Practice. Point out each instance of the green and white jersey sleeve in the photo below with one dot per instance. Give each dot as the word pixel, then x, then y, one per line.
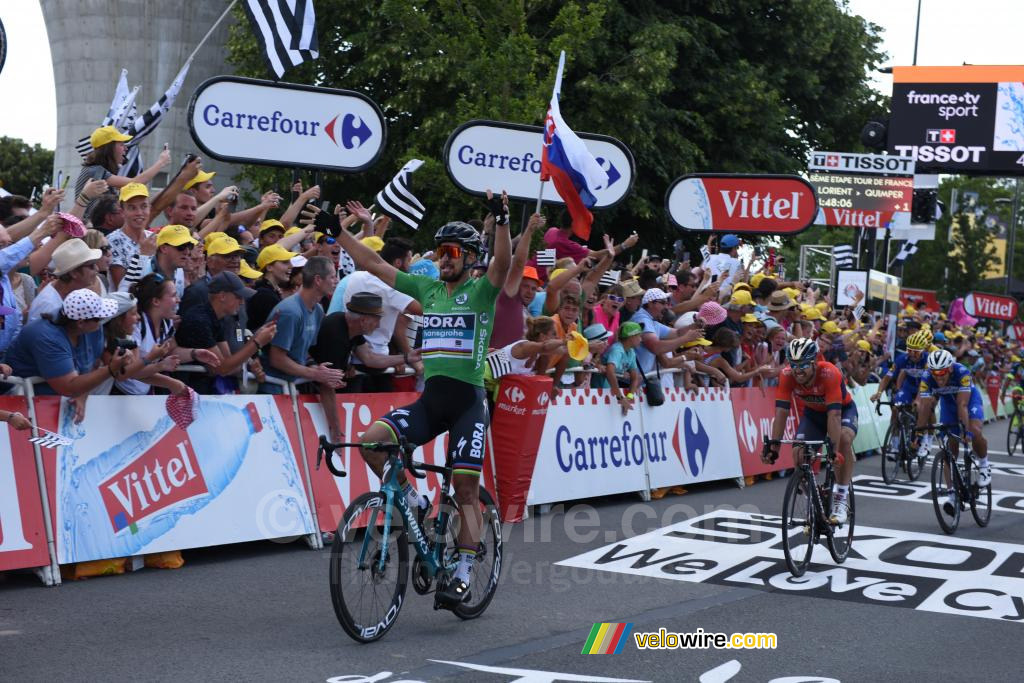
pixel 456 328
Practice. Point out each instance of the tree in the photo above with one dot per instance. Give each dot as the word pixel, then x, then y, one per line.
pixel 689 86
pixel 24 166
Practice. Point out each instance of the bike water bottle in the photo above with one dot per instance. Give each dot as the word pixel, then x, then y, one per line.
pixel 136 491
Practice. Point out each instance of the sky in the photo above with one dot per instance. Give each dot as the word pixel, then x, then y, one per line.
pixel 952 32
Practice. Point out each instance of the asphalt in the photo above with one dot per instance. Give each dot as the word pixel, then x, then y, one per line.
pixel 262 611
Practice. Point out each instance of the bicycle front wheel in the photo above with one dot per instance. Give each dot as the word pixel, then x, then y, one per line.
pixel 368 596
pixel 891 456
pixel 981 501
pixel 840 540
pixel 1014 434
pixel 487 567
pixel 799 522
pixel 945 499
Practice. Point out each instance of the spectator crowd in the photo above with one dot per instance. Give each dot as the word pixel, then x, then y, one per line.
pixel 132 291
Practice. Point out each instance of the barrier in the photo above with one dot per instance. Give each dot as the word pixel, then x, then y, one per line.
pixel 242 471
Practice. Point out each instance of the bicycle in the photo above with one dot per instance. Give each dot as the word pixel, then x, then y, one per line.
pixel 904 456
pixel 370 551
pixel 965 489
pixel 1015 432
pixel 807 506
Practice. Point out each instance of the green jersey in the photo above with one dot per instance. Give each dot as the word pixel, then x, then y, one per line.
pixel 456 328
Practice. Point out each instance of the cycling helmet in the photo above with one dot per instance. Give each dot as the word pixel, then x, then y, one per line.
pixel 940 360
pixel 803 349
pixel 920 340
pixel 462 234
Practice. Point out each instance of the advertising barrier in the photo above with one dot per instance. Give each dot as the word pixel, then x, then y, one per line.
pixel 22 529
pixel 517 425
pixel 139 484
pixel 753 414
pixel 778 204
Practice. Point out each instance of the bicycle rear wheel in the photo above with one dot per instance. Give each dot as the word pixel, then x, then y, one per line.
pixel 840 540
pixel 891 457
pixel 487 568
pixel 367 599
pixel 913 463
pixel 1014 435
pixel 940 492
pixel 799 522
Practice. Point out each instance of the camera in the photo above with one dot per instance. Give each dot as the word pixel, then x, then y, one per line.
pixel 126 344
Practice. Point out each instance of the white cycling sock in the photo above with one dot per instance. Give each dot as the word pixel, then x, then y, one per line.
pixel 465 568
pixel 841 490
pixel 983 462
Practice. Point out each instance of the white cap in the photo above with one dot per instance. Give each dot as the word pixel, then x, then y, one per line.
pixel 685 320
pixel 298 261
pixel 654 294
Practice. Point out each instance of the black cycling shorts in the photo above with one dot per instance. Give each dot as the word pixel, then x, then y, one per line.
pixel 814 423
pixel 447 405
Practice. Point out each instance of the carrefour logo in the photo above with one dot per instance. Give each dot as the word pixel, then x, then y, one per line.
pixel 697 441
pixel 600 450
pixel 354 131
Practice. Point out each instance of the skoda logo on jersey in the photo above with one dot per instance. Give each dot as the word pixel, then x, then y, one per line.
pixel 697 441
pixel 354 131
pixel 462 299
pixel 484 318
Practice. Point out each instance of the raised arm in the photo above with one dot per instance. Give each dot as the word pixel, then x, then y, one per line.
pixel 501 259
pixel 522 254
pixel 364 257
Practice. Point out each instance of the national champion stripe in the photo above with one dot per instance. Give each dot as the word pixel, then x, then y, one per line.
pixel 397 199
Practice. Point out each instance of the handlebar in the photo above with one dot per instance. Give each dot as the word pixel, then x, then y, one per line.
pixel 946 429
pixel 326 451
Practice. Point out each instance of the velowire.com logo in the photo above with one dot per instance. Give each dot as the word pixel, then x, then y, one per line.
pixel 607 639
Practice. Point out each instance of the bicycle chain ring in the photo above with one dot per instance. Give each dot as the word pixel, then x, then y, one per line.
pixel 421 581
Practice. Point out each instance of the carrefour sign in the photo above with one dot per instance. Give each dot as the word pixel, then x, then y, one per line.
pixel 283 124
pixel 482 155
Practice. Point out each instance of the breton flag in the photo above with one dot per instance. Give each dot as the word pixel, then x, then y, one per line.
pixel 842 255
pixel 568 163
pixel 141 126
pixel 119 115
pixel 908 249
pixel 398 201
pixel 288 31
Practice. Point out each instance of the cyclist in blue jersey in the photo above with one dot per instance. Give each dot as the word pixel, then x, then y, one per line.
pixel 950 383
pixel 905 373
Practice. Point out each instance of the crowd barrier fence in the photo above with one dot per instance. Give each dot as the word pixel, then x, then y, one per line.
pixel 133 483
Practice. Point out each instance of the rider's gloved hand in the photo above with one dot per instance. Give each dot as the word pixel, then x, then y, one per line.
pixel 770 453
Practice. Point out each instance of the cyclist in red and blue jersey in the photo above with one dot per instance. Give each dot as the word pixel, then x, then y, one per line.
pixel 951 384
pixel 828 410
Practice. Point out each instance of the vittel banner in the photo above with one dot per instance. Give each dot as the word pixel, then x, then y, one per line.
pixel 780 204
pixel 982 305
pixel 250 121
pixel 959 119
pixel 482 155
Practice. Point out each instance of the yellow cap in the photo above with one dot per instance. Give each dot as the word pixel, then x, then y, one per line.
pixel 750 318
pixel 741 287
pixel 317 236
pixel 105 135
pixel 846 332
pixel 812 313
pixel 822 306
pixel 699 341
pixel 133 190
pixel 830 327
pixel 175 235
pixel 373 242
pixel 932 347
pixel 272 254
pixel 201 177
pixel 756 278
pixel 1015 359
pixel 248 272
pixel 577 344
pixel 292 230
pixel 741 298
pixel 863 345
pixel 271 223
pixel 910 310
pixel 793 292
pixel 223 245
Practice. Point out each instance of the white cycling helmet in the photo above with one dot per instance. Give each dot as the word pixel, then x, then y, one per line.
pixel 940 360
pixel 803 349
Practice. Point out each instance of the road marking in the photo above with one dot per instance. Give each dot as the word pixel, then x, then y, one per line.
pixel 921 492
pixel 886 567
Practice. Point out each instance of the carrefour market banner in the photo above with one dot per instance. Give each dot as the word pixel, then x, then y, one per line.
pixel 132 482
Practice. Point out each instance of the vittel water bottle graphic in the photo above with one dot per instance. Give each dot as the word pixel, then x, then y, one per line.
pixel 136 491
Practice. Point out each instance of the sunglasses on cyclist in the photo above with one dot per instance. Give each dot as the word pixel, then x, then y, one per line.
pixel 452 251
pixel 941 373
pixel 802 365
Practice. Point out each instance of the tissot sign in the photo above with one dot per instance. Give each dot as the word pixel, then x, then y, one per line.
pixel 283 124
pixel 982 305
pixel 482 155
pixel 959 119
pixel 779 204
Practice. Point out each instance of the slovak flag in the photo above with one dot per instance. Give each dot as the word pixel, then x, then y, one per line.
pixel 567 162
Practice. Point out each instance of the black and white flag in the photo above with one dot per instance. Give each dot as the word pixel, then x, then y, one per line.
pixel 287 29
pixel 546 258
pixel 842 255
pixel 141 126
pixel 908 249
pixel 119 115
pixel 609 278
pixel 499 363
pixel 397 199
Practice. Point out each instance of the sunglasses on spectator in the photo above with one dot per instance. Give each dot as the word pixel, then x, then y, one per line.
pixel 452 251
pixel 184 247
pixel 673 287
pixel 616 299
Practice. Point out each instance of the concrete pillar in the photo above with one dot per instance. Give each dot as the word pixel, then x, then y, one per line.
pixel 92 40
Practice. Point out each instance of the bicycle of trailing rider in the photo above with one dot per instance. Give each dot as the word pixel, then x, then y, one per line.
pixel 1015 429
pixel 898 451
pixel 369 568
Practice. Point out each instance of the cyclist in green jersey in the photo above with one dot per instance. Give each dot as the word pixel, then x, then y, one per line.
pixel 458 312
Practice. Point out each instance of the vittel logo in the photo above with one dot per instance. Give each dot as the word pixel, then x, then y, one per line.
pixel 742 204
pixel 989 306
